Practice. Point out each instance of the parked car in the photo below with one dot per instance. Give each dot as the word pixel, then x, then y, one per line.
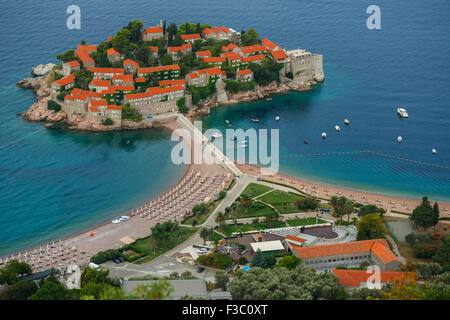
pixel 121 259
pixel 116 260
pixel 202 250
pixel 200 270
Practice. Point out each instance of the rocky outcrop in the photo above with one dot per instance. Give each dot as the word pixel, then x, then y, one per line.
pixel 92 126
pixel 42 70
pixel 39 112
pixel 222 97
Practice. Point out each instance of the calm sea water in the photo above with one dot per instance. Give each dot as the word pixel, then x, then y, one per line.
pixel 56 182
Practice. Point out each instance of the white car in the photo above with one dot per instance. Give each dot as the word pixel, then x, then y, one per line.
pixel 202 250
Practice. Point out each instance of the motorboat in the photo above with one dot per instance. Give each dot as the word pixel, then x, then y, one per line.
pixel 268 99
pixel 434 151
pixel 305 142
pixel 402 113
pixel 277 118
pixel 399 139
pixel 346 121
pixel 337 128
pixel 217 135
pixel 324 135
pixel 255 120
pixel 226 121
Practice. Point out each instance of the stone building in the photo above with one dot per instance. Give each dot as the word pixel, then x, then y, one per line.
pixel 98 85
pixel 65 83
pixel 176 52
pixel 75 104
pixel 201 78
pixel 152 33
pixel 130 66
pixel 106 73
pixel 70 66
pixel 222 33
pixel 85 58
pixel 191 37
pixel 304 66
pixel 244 75
pixel 161 72
pixel 113 55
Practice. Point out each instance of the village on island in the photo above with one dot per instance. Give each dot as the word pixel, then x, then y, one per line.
pixel 139 78
pixel 224 230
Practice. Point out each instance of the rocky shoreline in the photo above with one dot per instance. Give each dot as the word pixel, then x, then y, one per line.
pixel 39 112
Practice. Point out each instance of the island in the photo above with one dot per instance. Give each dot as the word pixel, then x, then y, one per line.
pixel 141 78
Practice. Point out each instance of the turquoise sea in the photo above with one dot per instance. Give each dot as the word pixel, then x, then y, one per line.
pixel 56 182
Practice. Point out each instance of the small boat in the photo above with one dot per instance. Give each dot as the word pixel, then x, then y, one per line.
pixel 337 128
pixel 233 139
pixel 255 120
pixel 244 145
pixel 346 121
pixel 116 221
pixel 305 142
pixel 434 151
pixel 268 99
pixel 399 139
pixel 324 135
pixel 402 113
pixel 226 121
pixel 277 118
pixel 217 135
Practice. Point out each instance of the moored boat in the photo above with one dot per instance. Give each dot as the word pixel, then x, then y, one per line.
pixel 402 113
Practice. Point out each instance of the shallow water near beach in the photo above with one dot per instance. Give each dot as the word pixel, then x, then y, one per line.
pixel 57 182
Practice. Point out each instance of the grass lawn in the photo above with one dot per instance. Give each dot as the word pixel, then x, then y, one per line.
pixel 230 228
pixel 303 222
pixel 216 237
pixel 256 209
pixel 279 197
pixel 254 190
pixel 152 250
pixel 288 208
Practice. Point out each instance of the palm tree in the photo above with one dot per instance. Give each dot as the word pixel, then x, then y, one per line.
pixel 219 218
pixel 204 234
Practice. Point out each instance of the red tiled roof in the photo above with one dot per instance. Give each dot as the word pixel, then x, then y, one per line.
pixel 184 47
pixel 110 39
pixel 107 70
pixel 112 51
pixel 172 82
pixel 98 103
pixel 232 56
pixel 84 56
pixel 225 29
pixel 93 109
pixel 214 59
pixel 269 44
pixel 114 107
pixel 132 96
pixel 253 58
pixel 379 247
pixel 254 48
pixel 73 63
pixel 211 71
pixel 100 82
pixel 158 90
pixel 140 80
pixel 86 93
pixel 204 53
pixel 129 61
pixel 193 75
pixel 153 49
pixel 66 80
pixel 159 68
pixel 123 77
pixel 289 237
pixel 190 36
pixel 87 47
pixel 73 97
pixel 279 54
pixel 153 30
pixel 354 278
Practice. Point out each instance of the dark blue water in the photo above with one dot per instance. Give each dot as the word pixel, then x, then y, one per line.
pixel 55 182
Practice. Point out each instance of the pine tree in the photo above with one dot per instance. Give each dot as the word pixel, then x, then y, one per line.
pixel 436 213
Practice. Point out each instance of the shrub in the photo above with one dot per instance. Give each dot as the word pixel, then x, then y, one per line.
pixel 104 256
pixel 307 203
pixel 218 260
pixel 107 122
pixel 222 194
pixel 242 260
pixel 52 105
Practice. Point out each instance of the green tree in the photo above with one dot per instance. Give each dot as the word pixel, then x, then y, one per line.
pixel 289 262
pixel 159 290
pixel 12 270
pixel 258 260
pixel 424 215
pixel 21 290
pixel 435 213
pixel 370 227
pixel 55 291
pixel 221 280
pixel 250 37
pixel 205 234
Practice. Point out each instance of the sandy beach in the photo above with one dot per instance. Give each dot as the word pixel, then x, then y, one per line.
pixel 389 203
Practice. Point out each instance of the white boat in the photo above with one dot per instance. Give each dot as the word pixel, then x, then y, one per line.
pixel 116 221
pixel 402 113
pixel 337 128
pixel 217 135
pixel 255 120
pixel 227 121
pixel 346 121
pixel 399 139
pixel 434 151
pixel 277 118
pixel 324 135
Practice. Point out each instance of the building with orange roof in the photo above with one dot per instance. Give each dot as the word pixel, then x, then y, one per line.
pixel 176 52
pixel 75 104
pixel 244 75
pixel 270 45
pixel 140 80
pixel 253 59
pixel 106 73
pixel 349 254
pixel 85 58
pixel 87 47
pixel 191 37
pixel 203 54
pixel 217 33
pixel 203 77
pixel 161 72
pixel 153 51
pixel 178 82
pixel 130 66
pixel 62 84
pixel 122 80
pixel 70 66
pixel 229 47
pixel 152 33
pixel 279 55
pixel 98 85
pixel 255 49
pixel 361 278
pixel 234 60
pixel 113 55
pixel 215 61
